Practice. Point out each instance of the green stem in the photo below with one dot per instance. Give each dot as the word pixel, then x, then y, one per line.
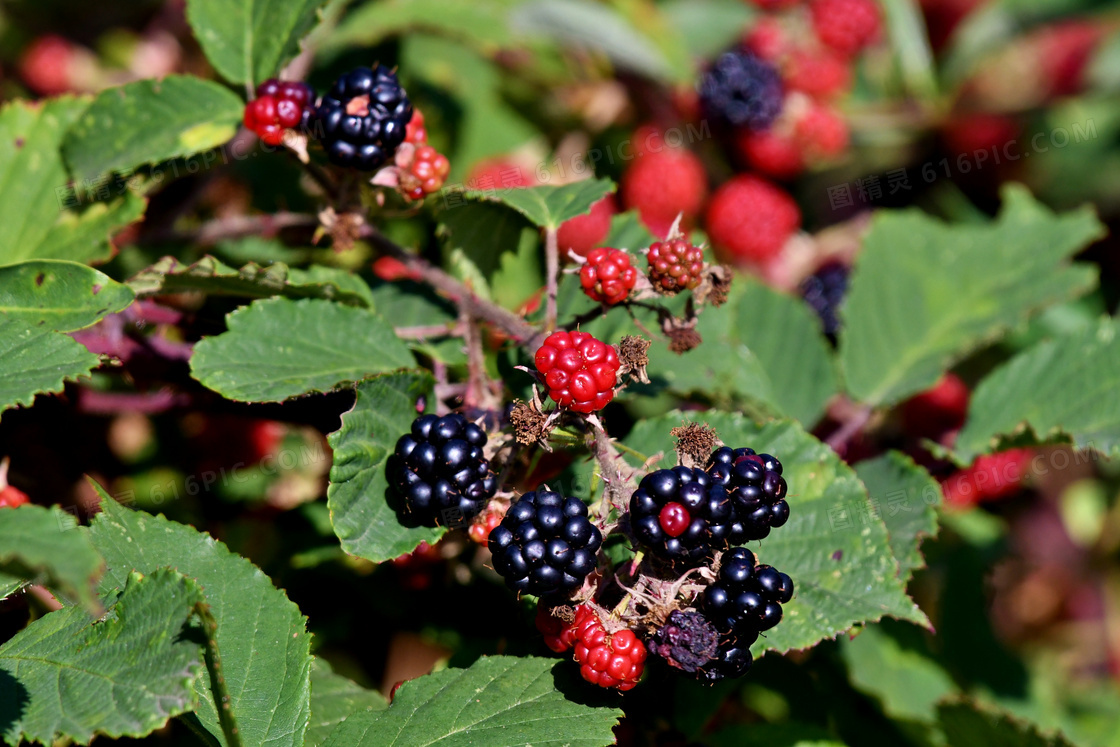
pixel 222 700
pixel 626 449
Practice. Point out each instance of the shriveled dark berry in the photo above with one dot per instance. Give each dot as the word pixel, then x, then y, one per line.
pixel 545 545
pixel 689 642
pixel 438 472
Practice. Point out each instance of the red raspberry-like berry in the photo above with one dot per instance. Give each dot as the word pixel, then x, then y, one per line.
pixel 483 525
pixel 391 268
pixel 675 265
pixel 583 233
pixel 819 73
pixel 46 65
pixel 608 276
pixel 615 660
pixel 821 132
pixel 279 106
pixel 768 39
pixel 846 25
pixel 774 153
pixel 773 5
pixel 989 478
pixel 1066 49
pixel 499 173
pixel 579 370
pixel 937 410
pixel 415 132
pixel 751 219
pixel 11 497
pixel 966 134
pixel 425 173
pixel 559 635
pixel 663 182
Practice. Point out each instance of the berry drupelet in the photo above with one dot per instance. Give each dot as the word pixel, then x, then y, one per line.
pixel 579 370
pixel 746 599
pixel 675 265
pixel 756 488
pixel 545 545
pixel 681 514
pixel 438 471
pixel 742 90
pixel 363 118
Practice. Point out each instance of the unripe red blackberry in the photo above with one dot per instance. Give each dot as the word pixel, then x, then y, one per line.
pixel 675 265
pixel 607 276
pixel 579 370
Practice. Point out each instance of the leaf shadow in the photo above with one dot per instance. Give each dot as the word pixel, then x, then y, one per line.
pixel 14 702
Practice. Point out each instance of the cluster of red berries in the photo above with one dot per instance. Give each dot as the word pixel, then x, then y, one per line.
pixel 675 265
pixel 423 169
pixel 579 371
pixel 612 660
pixel 278 107
pixel 607 276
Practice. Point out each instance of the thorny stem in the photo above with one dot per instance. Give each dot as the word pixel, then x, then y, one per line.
pixel 552 273
pixel 478 383
pixel 423 332
pixel 849 429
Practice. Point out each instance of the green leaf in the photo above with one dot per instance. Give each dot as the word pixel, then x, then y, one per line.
pixel 708 27
pixel 210 275
pixel 502 700
pixel 907 498
pixel 415 305
pixel 924 294
pixel 150 121
pixel 597 27
pixel 248 41
pixel 43 546
pixel 262 636
pixel 971 724
pixel 35 360
pixel 774 735
pixel 628 231
pixel 910 44
pixel 484 231
pixel 483 22
pixel 83 236
pixel 276 349
pixel 362 517
pixel 1060 388
pixel 548 207
pixel 71 676
pixel 907 683
pixel 333 699
pixel 834 547
pixel 58 295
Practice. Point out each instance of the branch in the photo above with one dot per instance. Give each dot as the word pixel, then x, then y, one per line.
pixel 552 273
pixel 849 429
pixel 234 227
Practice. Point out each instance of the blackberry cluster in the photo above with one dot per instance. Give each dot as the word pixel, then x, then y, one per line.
pixel 681 514
pixel 364 117
pixel 824 290
pixel 756 488
pixel 746 599
pixel 545 545
pixel 688 641
pixel 742 90
pixel 438 472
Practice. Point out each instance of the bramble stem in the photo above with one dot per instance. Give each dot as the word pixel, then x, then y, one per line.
pixel 552 274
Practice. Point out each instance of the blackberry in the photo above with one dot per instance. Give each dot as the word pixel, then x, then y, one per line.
pixel 757 490
pixel 437 471
pixel 824 290
pixel 545 545
pixel 681 514
pixel 688 641
pixel 363 118
pixel 746 599
pixel 741 90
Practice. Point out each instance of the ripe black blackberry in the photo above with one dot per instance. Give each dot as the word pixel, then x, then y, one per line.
pixel 689 642
pixel 681 514
pixel 363 118
pixel 545 545
pixel 437 471
pixel 741 90
pixel 746 599
pixel 757 490
pixel 824 290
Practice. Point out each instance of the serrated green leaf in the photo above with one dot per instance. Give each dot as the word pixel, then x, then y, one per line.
pixel 1058 388
pixel 548 207
pixel 484 231
pixel 907 683
pixel 416 305
pixel 276 349
pixel 248 41
pixel 924 294
pixel 71 676
pixel 210 275
pixel 499 700
pixel 362 517
pixel 150 121
pixel 628 231
pixel 834 547
pixel 907 498
pixel 59 295
pixel 333 699
pixel 36 219
pixel 600 28
pixel 261 635
pixel 43 546
pixel 484 22
pixel 34 360
pixel 774 735
pixel 972 724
